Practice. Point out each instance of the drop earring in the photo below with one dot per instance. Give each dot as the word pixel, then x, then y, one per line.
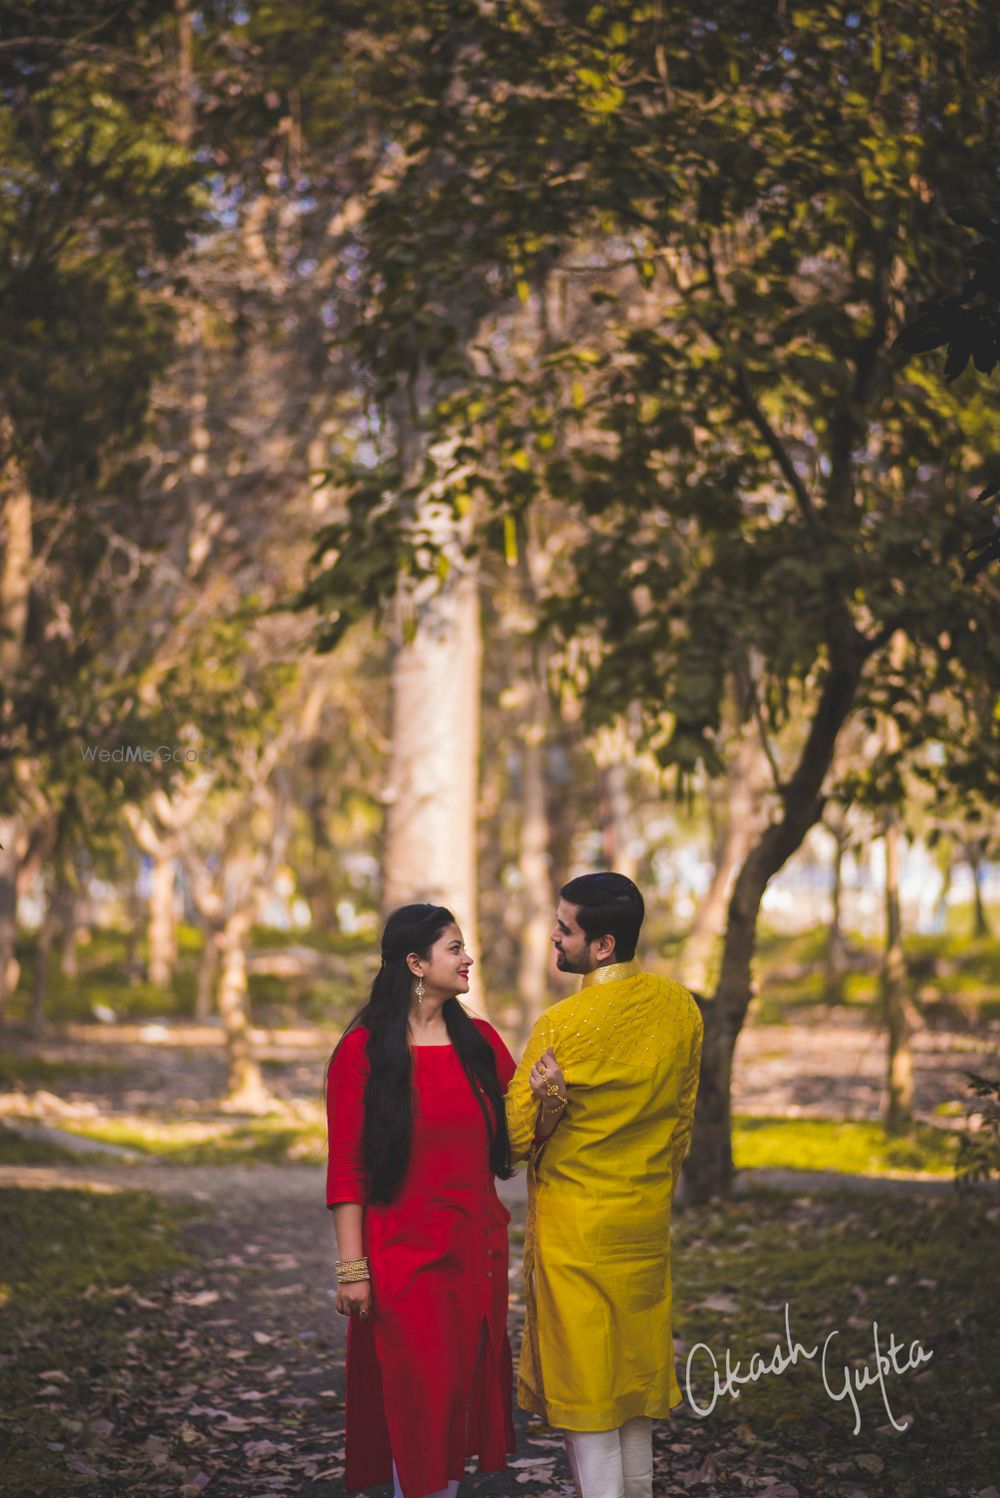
pixel 420 989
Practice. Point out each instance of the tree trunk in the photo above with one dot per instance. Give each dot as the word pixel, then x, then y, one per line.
pixel 946 863
pixel 742 813
pixel 64 924
pixel 430 849
pixel 246 1091
pixel 208 966
pixel 133 913
pixel 15 590
pixel 835 959
pixel 43 948
pixel 185 94
pixel 899 1072
pixel 162 921
pixel 980 923
pixel 533 860
pixel 615 820
pixel 709 1166
pixel 10 968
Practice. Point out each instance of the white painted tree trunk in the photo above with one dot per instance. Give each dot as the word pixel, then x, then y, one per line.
pixel 430 852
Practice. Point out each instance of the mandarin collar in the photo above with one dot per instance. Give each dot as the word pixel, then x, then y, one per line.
pixel 612 972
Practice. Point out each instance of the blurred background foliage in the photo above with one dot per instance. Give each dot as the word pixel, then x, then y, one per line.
pixel 447 447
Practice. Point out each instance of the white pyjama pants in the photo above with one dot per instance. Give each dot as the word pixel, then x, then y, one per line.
pixel 613 1463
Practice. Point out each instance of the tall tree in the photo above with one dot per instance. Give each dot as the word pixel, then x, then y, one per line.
pixel 760 473
pixel 92 213
pixel 431 833
pixel 897 1010
pixel 741 811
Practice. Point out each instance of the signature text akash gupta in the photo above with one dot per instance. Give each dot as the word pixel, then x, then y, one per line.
pixel 840 1384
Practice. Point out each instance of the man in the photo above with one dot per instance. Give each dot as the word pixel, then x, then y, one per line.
pixel 597 1355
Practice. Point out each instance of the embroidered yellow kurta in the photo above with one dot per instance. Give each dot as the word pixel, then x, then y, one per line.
pixel 598 1344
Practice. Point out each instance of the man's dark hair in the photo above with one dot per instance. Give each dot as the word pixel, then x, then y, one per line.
pixel 610 905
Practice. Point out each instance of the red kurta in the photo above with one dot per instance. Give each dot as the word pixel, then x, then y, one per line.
pixel 438 1260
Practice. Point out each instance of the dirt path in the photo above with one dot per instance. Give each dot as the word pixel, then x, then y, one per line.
pixel 251 1380
pixel 250 1377
pixel 243 1349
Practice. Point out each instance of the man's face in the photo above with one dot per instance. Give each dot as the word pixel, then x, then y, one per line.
pixel 574 953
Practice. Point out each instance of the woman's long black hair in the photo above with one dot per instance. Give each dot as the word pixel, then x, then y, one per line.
pixel 388 1127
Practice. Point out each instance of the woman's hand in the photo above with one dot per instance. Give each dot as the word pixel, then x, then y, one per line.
pixel 546 1070
pixel 355 1299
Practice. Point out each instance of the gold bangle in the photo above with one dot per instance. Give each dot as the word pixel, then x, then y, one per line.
pixel 353 1277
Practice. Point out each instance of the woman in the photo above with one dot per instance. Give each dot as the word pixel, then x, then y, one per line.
pixel 417 1134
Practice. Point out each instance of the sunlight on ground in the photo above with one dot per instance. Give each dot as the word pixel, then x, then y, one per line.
pixel 853 1147
pixel 775 1143
pixel 266 1140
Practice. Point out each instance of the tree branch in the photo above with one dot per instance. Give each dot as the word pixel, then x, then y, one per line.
pixel 756 415
pixel 765 742
pixel 777 448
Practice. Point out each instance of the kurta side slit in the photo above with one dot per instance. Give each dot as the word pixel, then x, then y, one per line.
pixel 423 1385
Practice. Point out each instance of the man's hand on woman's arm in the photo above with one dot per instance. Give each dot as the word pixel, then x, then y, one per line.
pixel 549 1086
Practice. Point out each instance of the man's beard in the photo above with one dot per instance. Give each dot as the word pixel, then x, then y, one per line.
pixel 564 964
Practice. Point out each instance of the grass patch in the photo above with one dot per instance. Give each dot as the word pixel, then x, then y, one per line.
pixel 67 1255
pixel 261 1141
pixel 923 1270
pixel 790 970
pixel 850 1146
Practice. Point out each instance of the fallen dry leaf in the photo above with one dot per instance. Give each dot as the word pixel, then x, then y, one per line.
pixel 724 1304
pixel 202 1298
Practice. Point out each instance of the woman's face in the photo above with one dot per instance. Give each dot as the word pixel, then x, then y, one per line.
pixel 445 970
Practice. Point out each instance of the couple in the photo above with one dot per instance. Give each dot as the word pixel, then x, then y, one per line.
pixel 426 1106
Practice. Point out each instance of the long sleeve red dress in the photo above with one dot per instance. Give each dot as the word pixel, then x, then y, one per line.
pixel 429 1373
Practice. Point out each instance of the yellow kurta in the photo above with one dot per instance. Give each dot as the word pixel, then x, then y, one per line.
pixel 598 1345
